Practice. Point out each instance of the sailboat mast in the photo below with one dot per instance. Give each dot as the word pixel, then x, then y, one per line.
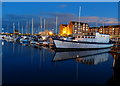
pixel 22 29
pixel 79 18
pixel 79 12
pixel 56 23
pixel 32 26
pixel 44 24
pixel 103 26
pixel 41 23
pixel 13 27
pixel 18 27
pixel 26 27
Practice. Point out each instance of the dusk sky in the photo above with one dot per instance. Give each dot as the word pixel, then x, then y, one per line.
pixel 94 13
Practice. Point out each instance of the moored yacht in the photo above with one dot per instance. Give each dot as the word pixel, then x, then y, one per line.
pixel 96 41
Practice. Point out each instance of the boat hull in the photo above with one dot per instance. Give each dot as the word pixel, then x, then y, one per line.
pixel 63 44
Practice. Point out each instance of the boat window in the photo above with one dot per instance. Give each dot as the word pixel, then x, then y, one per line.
pixel 82 36
pixel 93 37
pixel 78 36
pixel 102 36
pixel 89 37
pixel 85 36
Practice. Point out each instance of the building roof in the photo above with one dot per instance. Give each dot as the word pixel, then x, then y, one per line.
pixel 77 22
pixel 111 26
pixel 64 24
pixel 94 27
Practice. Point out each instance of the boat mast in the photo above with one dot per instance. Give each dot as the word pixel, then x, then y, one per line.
pixel 27 27
pixel 41 23
pixel 7 29
pixel 32 26
pixel 79 12
pixel 79 18
pixel 56 23
pixel 103 26
pixel 44 24
pixel 96 29
pixel 13 27
pixel 22 29
pixel 18 27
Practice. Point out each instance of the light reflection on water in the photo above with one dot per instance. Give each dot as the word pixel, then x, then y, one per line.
pixel 29 65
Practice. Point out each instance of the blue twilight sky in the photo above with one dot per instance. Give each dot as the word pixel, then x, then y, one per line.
pixel 94 13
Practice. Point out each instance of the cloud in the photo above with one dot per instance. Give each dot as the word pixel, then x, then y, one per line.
pixel 62 6
pixel 110 20
pixel 99 20
pixel 63 18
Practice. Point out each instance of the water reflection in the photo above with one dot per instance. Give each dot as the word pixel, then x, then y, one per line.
pixel 1 43
pixel 31 65
pixel 87 56
pixel 114 80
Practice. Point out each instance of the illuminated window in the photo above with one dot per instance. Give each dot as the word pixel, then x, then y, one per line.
pixel 75 25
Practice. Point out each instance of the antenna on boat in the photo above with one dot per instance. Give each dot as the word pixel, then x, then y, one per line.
pixel 56 23
pixel 32 26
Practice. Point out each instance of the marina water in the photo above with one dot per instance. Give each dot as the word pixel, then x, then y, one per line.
pixel 34 66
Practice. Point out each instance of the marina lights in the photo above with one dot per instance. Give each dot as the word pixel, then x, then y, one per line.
pixel 113 28
pixel 64 31
pixel 43 37
pixel 50 33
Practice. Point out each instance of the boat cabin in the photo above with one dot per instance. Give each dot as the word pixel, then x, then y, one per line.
pixel 97 37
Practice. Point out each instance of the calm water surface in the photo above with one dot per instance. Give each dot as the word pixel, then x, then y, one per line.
pixel 29 65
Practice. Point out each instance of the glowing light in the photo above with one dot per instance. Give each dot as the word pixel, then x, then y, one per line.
pixel 2 43
pixel 43 37
pixel 64 31
pixel 50 33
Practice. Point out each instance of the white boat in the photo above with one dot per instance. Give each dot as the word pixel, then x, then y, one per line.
pixel 96 41
pixel 24 39
pixel 33 42
pixel 2 37
pixel 9 39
